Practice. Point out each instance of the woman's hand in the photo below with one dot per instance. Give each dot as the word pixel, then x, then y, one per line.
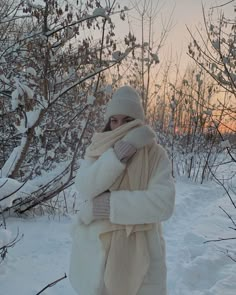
pixel 140 136
pixel 96 209
pixel 101 206
pixel 124 150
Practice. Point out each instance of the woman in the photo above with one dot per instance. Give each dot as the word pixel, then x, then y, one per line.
pixel 127 190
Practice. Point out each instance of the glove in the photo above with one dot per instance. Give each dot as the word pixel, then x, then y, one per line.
pixel 98 208
pixel 124 150
pixel 85 214
pixel 140 136
pixel 101 206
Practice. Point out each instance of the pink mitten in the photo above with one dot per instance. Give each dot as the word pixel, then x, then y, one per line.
pixel 124 150
pixel 101 206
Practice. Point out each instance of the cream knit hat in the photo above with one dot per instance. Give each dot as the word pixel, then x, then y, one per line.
pixel 125 101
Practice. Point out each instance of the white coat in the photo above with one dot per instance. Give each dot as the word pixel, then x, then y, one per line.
pixel 153 205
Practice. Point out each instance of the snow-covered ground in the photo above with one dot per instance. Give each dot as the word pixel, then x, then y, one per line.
pixel 194 267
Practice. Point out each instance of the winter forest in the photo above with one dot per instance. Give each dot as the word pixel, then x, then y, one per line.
pixel 60 62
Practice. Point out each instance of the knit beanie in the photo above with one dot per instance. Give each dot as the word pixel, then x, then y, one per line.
pixel 125 101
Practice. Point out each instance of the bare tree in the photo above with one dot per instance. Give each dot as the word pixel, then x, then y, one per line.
pixel 52 88
pixel 214 51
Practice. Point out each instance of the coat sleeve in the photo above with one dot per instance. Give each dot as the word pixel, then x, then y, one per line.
pixel 153 205
pixel 95 177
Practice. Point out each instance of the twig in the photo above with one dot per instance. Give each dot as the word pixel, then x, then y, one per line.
pixel 12 193
pixel 231 257
pixel 234 259
pixel 3 183
pixel 39 200
pixel 52 284
pixel 228 255
pixel 219 240
pixel 224 4
pixel 221 183
pixel 3 250
pixel 221 136
pixel 228 216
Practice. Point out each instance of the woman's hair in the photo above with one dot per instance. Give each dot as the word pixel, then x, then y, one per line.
pixel 107 126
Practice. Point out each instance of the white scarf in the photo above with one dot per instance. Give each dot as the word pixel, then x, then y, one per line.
pixel 126 246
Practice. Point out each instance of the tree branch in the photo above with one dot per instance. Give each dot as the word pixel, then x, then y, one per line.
pixel 220 239
pixel 224 4
pixel 52 284
pixel 230 217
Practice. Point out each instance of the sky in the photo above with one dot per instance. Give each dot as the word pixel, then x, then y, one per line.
pixel 189 13
pixel 182 13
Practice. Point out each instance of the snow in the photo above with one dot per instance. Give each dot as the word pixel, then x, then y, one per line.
pixel 5 237
pixel 20 90
pixel 108 89
pixel 4 79
pixel 99 11
pixel 38 131
pixel 194 267
pixel 34 5
pixel 15 101
pixel 91 99
pixel 32 117
pixel 14 189
pixel 31 71
pixel 28 91
pixel 225 144
pixel 28 121
pixel 49 176
pixel 116 55
pixel 9 165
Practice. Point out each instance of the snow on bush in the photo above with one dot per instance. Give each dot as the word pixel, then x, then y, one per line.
pixel 5 237
pixel 11 190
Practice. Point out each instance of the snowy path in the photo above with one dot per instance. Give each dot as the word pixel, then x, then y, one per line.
pixel 195 268
pixel 41 257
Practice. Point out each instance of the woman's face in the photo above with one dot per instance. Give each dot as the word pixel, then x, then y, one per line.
pixel 118 120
